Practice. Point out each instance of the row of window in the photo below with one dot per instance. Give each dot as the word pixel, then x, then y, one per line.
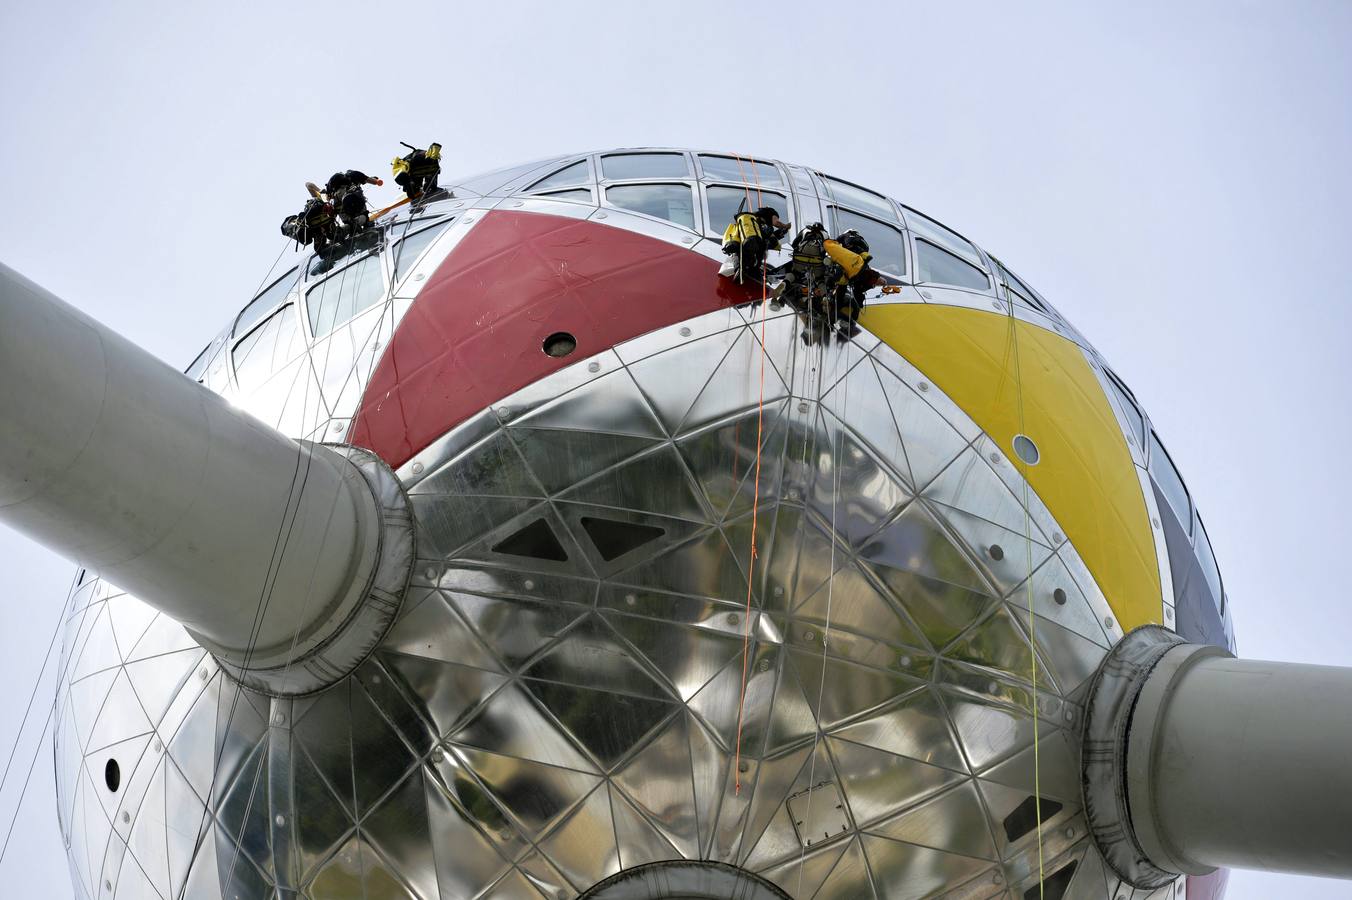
pixel 265 337
pixel 1170 482
pixel 942 256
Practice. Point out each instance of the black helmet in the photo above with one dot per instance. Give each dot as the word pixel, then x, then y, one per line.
pixel 767 214
pixel 853 241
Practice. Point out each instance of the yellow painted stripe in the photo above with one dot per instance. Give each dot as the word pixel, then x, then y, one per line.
pixel 1085 475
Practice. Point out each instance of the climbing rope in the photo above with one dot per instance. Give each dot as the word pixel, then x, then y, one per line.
pixel 755 516
pixel 1022 468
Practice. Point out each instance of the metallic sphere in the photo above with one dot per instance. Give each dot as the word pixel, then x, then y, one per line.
pixel 820 615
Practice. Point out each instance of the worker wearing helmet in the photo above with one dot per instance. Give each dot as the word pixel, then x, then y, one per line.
pixel 344 191
pixel 417 172
pixel 849 276
pixel 314 224
pixel 746 241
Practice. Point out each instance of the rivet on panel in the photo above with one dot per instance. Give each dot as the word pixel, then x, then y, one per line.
pixel 417 468
pixel 1168 614
pixel 904 661
pixel 599 215
pixel 997 878
pixel 744 767
pixel 431 573
pixel 992 687
pixel 1108 623
pixel 469 219
pixel 126 817
pixel 375 679
pixel 1155 522
pixel 1070 714
pixel 108 885
pixel 765 665
pixel 419 277
pixel 924 387
pixel 1070 831
pixel 280 820
pixel 279 719
pixel 685 331
pixel 1057 537
pixel 996 551
pixel 808 636
pixel 1059 595
pixel 779 590
pixel 802 407
pixel 159 746
pixel 734 619
pixel 503 411
pixel 997 305
pixel 687 240
pixel 995 458
pixel 529 585
pixel 518 203
pixel 202 674
pixel 593 367
pixel 630 599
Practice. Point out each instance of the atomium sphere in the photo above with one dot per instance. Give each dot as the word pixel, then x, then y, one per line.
pixel 701 608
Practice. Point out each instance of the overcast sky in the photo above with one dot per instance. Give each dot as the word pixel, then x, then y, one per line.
pixel 1174 177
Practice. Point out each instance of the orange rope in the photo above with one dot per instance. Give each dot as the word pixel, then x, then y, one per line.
pixel 755 509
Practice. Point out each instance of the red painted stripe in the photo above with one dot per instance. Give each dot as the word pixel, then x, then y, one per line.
pixel 474 334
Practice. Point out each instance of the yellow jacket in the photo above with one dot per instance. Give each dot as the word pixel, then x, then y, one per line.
pixel 746 225
pixel 852 263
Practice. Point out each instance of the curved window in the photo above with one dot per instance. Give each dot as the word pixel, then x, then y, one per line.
pixel 1207 557
pixel 673 202
pixel 850 195
pixel 260 305
pixel 749 171
pixel 584 196
pixel 943 237
pixel 199 365
pixel 577 173
pixel 936 265
pixel 1021 292
pixel 1129 408
pixel 1170 482
pixel 725 201
pixel 344 294
pixel 644 165
pixel 262 351
pixel 489 182
pixel 884 242
pixel 407 250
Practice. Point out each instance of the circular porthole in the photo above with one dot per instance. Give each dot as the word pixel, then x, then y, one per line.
pixel 1026 450
pixel 112 775
pixel 559 344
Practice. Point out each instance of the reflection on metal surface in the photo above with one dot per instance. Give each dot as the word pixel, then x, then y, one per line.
pixel 558 700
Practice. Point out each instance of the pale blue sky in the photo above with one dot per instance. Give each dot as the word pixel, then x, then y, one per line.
pixel 1172 176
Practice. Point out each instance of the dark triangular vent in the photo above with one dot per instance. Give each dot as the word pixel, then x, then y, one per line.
pixel 535 541
pixel 1054 886
pixel 1024 818
pixel 615 539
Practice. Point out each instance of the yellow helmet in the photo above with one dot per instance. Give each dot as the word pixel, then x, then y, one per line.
pixel 399 165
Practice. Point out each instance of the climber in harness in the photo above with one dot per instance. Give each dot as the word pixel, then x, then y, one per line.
pixel 746 241
pixel 804 281
pixel 416 172
pixel 344 191
pixel 314 224
pixel 849 276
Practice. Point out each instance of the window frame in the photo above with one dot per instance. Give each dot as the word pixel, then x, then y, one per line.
pixel 781 187
pixel 1200 536
pixel 916 239
pixel 1033 301
pixel 533 188
pixel 832 210
pixel 1123 394
pixel 697 210
pixel 295 284
pixel 713 230
pixel 307 328
pixel 259 325
pixel 393 276
pixel 605 180
pixel 831 199
pixel 1185 520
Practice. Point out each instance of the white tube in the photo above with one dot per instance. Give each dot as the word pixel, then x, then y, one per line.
pixel 253 541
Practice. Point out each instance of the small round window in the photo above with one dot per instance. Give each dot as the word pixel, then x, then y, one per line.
pixel 112 775
pixel 1026 450
pixel 559 344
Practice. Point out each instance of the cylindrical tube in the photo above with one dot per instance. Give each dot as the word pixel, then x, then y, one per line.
pixel 1242 763
pixel 107 455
